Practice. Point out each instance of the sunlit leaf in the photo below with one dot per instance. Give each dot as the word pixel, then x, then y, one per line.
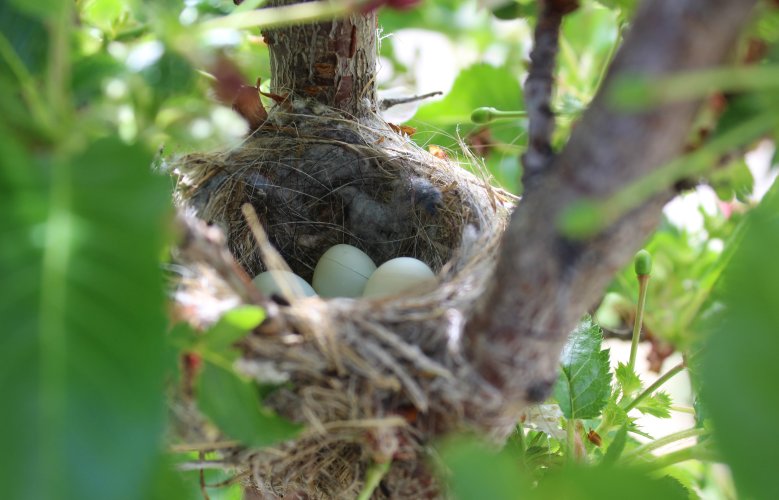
pixel 585 380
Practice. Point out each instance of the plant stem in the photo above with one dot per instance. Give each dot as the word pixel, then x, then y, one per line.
pixel 691 453
pixel 570 427
pixel 656 385
pixel 373 477
pixel 284 16
pixel 643 281
pixel 58 69
pixel 663 441
pixel 27 86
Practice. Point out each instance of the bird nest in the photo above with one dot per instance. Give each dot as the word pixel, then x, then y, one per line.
pixel 372 380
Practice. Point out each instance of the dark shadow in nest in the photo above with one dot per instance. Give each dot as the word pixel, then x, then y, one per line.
pixel 328 182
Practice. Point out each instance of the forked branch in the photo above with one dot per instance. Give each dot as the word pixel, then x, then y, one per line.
pixel 545 281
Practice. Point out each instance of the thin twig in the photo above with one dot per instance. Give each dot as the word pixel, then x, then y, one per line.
pixel 539 83
pixel 202 477
pixel 394 101
pixel 656 385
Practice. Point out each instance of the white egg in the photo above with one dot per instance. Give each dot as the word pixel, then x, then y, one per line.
pixel 342 271
pixel 284 283
pixel 398 275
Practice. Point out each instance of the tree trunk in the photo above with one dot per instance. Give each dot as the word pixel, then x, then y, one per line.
pixel 333 62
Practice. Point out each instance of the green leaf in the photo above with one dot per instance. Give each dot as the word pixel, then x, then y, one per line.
pixel 82 350
pixel 616 447
pixel 476 471
pixel 480 85
pixel 740 370
pixel 231 327
pixel 627 379
pixel 584 483
pixel 233 405
pixel 658 405
pixel 584 385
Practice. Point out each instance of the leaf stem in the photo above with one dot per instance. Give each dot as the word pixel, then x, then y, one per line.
pixel 656 385
pixel 663 441
pixel 691 453
pixel 373 477
pixel 58 69
pixel 643 281
pixel 570 428
pixel 27 86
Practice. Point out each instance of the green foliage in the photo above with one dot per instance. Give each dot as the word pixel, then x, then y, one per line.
pixel 479 472
pixel 585 380
pixel 616 447
pixel 233 405
pixel 658 404
pixel 580 483
pixel 82 349
pixel 89 90
pixel 740 369
pixel 627 379
pixel 476 86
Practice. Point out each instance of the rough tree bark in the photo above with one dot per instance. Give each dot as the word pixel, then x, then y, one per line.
pixel 544 281
pixel 333 62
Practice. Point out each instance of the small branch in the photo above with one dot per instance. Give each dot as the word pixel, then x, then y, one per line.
pixel 692 453
pixel 656 385
pixel 544 279
pixel 664 441
pixel 643 280
pixel 394 101
pixel 199 242
pixel 539 83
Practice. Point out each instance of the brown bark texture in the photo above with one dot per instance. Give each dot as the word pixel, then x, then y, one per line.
pixel 545 281
pixel 333 62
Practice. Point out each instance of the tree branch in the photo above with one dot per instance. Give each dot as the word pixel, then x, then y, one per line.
pixel 538 86
pixel 545 281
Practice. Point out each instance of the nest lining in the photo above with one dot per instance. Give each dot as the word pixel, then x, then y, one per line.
pixel 372 380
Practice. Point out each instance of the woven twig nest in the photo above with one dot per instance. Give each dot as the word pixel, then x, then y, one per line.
pixel 372 380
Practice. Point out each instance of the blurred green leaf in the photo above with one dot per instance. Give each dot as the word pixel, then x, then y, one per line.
pixel 475 471
pixel 231 327
pixel 102 13
pixel 740 369
pixel 733 181
pixel 26 36
pixel 233 405
pixel 514 9
pixel 616 447
pixel 585 380
pixel 590 483
pixel 83 326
